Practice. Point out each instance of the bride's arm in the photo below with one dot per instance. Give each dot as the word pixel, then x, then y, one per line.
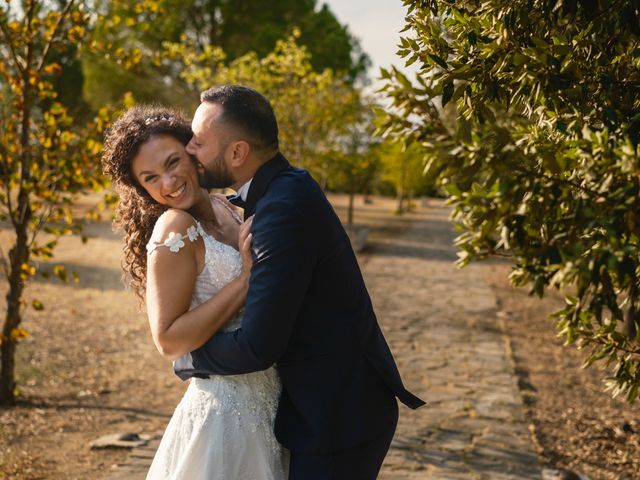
pixel 171 277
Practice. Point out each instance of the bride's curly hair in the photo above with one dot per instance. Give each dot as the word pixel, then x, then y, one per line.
pixel 137 212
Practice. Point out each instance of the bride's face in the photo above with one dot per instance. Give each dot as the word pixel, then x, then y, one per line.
pixel 165 170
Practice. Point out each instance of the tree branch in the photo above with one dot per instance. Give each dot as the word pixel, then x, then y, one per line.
pixel 42 219
pixel 16 58
pixel 5 179
pixel 625 349
pixel 7 187
pixel 534 173
pixel 56 30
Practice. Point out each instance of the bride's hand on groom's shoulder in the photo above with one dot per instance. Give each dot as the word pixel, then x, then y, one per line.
pixel 244 242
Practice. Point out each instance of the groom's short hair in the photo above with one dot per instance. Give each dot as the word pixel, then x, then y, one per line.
pixel 248 112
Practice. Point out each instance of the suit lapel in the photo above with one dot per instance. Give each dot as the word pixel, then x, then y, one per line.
pixel 261 181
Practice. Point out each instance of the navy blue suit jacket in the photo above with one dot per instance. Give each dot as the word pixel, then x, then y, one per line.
pixel 307 311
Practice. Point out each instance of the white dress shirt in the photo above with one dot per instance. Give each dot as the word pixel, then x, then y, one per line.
pixel 244 190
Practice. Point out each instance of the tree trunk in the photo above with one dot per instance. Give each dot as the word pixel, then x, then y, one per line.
pixel 410 201
pixel 400 207
pixel 402 188
pixel 19 255
pixel 7 371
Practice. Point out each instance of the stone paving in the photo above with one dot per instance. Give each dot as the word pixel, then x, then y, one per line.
pixel 442 325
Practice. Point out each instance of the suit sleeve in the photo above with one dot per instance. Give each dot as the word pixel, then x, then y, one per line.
pixel 285 255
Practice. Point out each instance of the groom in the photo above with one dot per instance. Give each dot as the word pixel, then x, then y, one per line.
pixel 307 310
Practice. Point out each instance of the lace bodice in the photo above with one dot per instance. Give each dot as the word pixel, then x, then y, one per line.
pixel 222 263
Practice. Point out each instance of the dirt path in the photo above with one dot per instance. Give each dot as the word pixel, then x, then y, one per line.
pixel 441 323
pixel 90 369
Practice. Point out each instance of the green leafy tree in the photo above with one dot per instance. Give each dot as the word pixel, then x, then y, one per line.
pixel 354 171
pixel 46 158
pixel 542 164
pixel 124 57
pixel 354 165
pixel 242 27
pixel 314 110
pixel 403 166
pixel 236 28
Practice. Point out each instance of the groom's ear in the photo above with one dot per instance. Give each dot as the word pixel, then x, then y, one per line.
pixel 239 153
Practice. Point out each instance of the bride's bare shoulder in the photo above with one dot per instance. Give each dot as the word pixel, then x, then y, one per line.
pixel 173 226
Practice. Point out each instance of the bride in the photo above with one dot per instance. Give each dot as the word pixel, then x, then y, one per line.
pixel 189 256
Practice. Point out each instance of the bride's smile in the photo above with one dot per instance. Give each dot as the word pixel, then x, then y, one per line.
pixel 178 192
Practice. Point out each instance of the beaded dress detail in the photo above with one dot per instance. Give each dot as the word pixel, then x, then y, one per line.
pixel 222 429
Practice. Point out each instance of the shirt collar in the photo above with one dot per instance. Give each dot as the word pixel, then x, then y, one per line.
pixel 244 190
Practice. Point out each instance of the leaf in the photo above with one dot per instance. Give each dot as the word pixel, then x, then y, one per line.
pixel 447 92
pixel 61 273
pixel 633 393
pixel 411 60
pixel 438 60
pixel 19 333
pixel 562 49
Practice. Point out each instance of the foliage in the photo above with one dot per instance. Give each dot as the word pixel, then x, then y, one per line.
pixel 403 167
pixel 124 55
pixel 542 162
pixel 235 28
pixel 353 165
pixel 46 158
pixel 314 110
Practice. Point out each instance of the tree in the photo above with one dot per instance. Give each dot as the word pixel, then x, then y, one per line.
pixel 236 28
pixel 242 27
pixel 314 110
pixel 542 163
pixel 403 166
pixel 46 159
pixel 125 54
pixel 353 166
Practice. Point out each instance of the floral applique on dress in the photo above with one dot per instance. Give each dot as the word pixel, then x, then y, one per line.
pixel 176 241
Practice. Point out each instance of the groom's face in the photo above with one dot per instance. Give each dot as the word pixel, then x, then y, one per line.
pixel 209 145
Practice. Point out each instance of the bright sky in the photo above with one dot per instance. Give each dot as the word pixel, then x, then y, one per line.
pixel 377 24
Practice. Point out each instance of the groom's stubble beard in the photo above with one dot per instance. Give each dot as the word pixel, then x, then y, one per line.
pixel 217 177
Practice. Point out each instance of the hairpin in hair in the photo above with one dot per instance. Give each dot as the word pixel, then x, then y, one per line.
pixel 158 118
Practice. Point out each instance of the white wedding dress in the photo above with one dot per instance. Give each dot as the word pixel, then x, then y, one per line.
pixel 222 429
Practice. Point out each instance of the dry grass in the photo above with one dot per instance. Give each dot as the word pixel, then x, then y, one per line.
pixel 87 369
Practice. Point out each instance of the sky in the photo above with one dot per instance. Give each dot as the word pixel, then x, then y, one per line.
pixel 377 24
